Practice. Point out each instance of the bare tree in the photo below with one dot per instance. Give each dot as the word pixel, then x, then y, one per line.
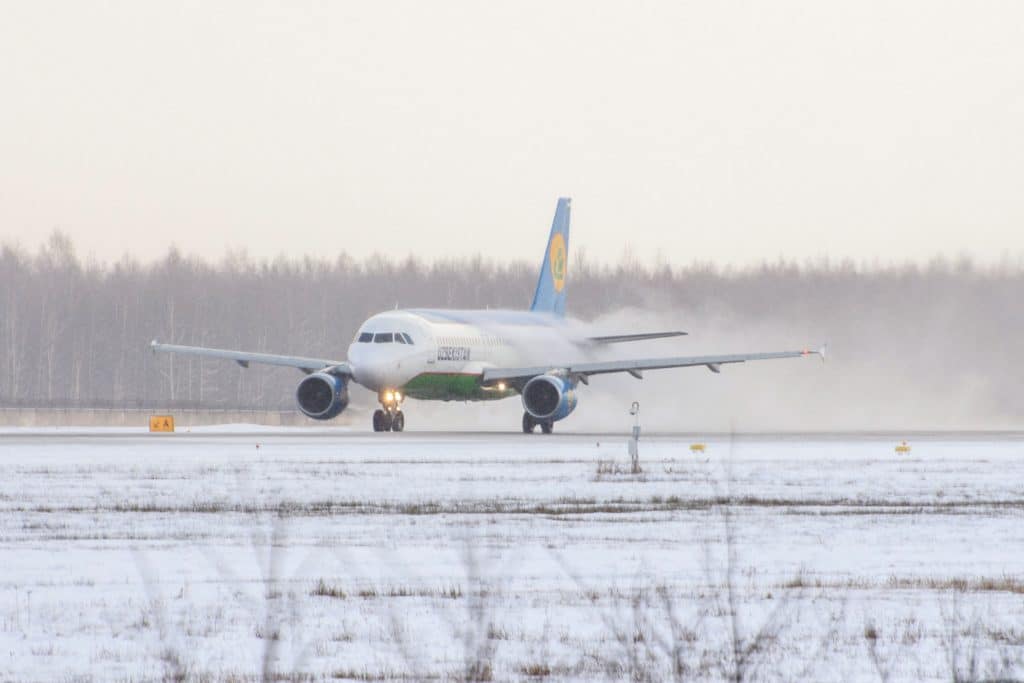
pixel 76 333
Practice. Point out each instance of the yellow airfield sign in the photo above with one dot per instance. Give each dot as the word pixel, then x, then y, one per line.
pixel 161 423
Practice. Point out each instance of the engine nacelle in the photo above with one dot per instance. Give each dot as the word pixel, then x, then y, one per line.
pixel 547 397
pixel 322 396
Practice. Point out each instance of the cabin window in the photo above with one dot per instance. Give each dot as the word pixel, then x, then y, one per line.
pixel 366 337
pixel 383 338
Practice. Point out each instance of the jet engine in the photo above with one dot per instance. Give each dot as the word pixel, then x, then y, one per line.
pixel 547 397
pixel 322 395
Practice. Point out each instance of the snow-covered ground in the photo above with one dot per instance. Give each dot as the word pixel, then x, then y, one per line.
pixel 223 554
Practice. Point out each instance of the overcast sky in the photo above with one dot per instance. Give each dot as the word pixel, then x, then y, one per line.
pixel 721 131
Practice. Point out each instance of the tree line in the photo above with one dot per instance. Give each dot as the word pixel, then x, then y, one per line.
pixel 76 332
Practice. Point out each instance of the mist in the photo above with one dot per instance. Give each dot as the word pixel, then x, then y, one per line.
pixel 909 346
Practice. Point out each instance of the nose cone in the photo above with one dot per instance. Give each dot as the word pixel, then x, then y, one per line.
pixel 372 375
pixel 364 369
pixel 376 366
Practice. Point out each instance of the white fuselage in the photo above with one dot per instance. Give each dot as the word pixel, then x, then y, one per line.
pixel 449 350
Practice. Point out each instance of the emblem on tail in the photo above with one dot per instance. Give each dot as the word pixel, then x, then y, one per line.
pixel 556 255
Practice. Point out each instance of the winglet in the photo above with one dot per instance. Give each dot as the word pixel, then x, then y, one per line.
pixel 820 351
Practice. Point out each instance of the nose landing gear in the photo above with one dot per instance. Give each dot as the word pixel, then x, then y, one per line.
pixel 390 418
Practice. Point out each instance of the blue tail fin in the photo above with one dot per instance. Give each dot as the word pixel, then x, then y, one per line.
pixel 550 294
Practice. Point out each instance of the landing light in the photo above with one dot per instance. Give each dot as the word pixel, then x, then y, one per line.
pixel 501 386
pixel 398 396
pixel 389 396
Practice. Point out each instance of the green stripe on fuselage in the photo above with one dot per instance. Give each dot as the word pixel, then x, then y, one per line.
pixel 450 386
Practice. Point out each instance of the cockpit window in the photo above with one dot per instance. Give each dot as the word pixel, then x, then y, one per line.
pixel 385 338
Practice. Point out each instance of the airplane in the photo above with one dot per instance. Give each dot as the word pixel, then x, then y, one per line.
pixel 476 355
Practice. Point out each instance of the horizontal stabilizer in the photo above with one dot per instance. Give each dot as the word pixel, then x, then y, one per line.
pixel 643 336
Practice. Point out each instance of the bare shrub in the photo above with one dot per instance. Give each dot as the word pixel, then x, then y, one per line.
pixel 477 628
pixel 880 663
pixel 746 646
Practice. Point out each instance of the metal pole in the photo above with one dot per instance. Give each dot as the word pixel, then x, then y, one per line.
pixel 634 445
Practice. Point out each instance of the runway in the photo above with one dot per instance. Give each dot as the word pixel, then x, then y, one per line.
pixel 234 432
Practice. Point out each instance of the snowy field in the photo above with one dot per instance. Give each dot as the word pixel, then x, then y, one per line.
pixel 236 554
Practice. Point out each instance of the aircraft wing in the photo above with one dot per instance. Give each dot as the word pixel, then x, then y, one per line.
pixel 643 336
pixel 637 366
pixel 243 358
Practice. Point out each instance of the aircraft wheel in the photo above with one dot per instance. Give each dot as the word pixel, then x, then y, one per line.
pixel 547 426
pixel 378 420
pixel 528 423
pixel 398 422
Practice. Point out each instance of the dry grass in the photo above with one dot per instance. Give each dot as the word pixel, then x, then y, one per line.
pixel 536 670
pixel 1003 584
pixel 380 675
pixel 553 508
pixel 326 590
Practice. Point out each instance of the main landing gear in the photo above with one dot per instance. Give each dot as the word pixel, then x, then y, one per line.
pixel 386 421
pixel 390 418
pixel 529 422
